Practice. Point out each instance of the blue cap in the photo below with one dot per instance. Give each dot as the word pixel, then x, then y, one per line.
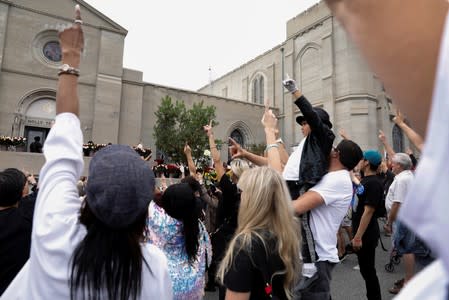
pixel 373 156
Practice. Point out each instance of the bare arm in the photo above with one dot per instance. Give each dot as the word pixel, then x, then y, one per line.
pixel 372 24
pixel 366 218
pixel 412 135
pixel 393 212
pixel 387 146
pixel 283 153
pixel 214 151
pixel 231 295
pixel 71 41
pixel 344 135
pixel 190 163
pixel 307 202
pixel 238 152
pixel 269 121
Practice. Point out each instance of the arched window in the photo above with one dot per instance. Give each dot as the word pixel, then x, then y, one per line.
pixel 258 89
pixel 237 136
pixel 398 144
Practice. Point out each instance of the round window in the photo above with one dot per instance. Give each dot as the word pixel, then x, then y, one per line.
pixel 52 51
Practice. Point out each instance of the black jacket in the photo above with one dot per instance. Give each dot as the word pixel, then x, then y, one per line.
pixel 317 147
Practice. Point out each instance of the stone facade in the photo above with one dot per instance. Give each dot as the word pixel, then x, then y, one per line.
pixel 115 104
pixel 330 72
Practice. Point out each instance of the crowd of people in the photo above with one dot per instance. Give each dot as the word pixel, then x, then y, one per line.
pixel 273 226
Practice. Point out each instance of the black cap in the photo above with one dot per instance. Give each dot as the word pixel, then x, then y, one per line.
pixel 322 114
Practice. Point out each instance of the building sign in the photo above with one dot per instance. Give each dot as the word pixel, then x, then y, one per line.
pixel 38 123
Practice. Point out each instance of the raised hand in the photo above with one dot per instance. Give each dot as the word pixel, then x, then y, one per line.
pixel 187 149
pixel 344 135
pixel 269 120
pixel 290 85
pixel 71 41
pixel 399 118
pixel 235 149
pixel 382 136
pixel 208 128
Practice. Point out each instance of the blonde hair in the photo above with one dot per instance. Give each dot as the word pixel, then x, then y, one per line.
pixel 238 166
pixel 265 207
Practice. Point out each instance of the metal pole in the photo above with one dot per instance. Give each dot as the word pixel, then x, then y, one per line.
pixel 283 94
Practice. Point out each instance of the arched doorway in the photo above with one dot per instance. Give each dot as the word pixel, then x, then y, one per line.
pixel 35 115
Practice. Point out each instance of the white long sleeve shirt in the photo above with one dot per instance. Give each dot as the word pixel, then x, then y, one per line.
pixel 57 231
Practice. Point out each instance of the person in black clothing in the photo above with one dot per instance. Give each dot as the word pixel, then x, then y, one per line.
pixel 228 206
pixel 262 258
pixel 36 146
pixel 364 222
pixel 16 218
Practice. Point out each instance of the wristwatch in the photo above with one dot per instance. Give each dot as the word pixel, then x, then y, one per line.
pixel 67 69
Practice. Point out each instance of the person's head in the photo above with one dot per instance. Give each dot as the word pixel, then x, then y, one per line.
pixel 371 161
pixel 347 153
pixel 193 183
pixel 266 206
pixel 401 162
pixel 238 166
pixel 322 114
pixel 180 202
pixel 37 138
pixel 109 258
pixel 12 185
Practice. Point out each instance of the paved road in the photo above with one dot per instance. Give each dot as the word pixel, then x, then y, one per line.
pixel 348 284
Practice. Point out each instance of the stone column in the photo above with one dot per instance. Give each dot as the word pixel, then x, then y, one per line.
pixel 108 88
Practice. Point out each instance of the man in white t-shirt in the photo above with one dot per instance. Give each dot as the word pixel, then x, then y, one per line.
pixel 401 167
pixel 328 202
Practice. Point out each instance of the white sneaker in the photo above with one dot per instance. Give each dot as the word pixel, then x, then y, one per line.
pixel 357 267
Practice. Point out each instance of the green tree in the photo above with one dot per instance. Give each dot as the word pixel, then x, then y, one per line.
pixel 176 125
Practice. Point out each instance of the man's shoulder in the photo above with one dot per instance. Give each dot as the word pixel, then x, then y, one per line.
pixel 405 176
pixel 371 181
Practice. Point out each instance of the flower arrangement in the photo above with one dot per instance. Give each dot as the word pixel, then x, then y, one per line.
pixel 173 169
pixel 12 140
pixel 210 176
pixel 144 152
pixel 160 168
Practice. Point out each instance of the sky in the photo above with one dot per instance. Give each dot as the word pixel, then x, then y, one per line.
pixel 175 43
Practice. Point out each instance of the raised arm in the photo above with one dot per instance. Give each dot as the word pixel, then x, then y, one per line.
pixel 71 41
pixel 237 151
pixel 269 121
pixel 214 151
pixel 344 135
pixel 304 105
pixel 190 163
pixel 412 135
pixel 387 146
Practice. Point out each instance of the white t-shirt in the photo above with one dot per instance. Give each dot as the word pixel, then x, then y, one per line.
pixel 57 231
pixel 336 190
pixel 291 169
pixel 399 188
